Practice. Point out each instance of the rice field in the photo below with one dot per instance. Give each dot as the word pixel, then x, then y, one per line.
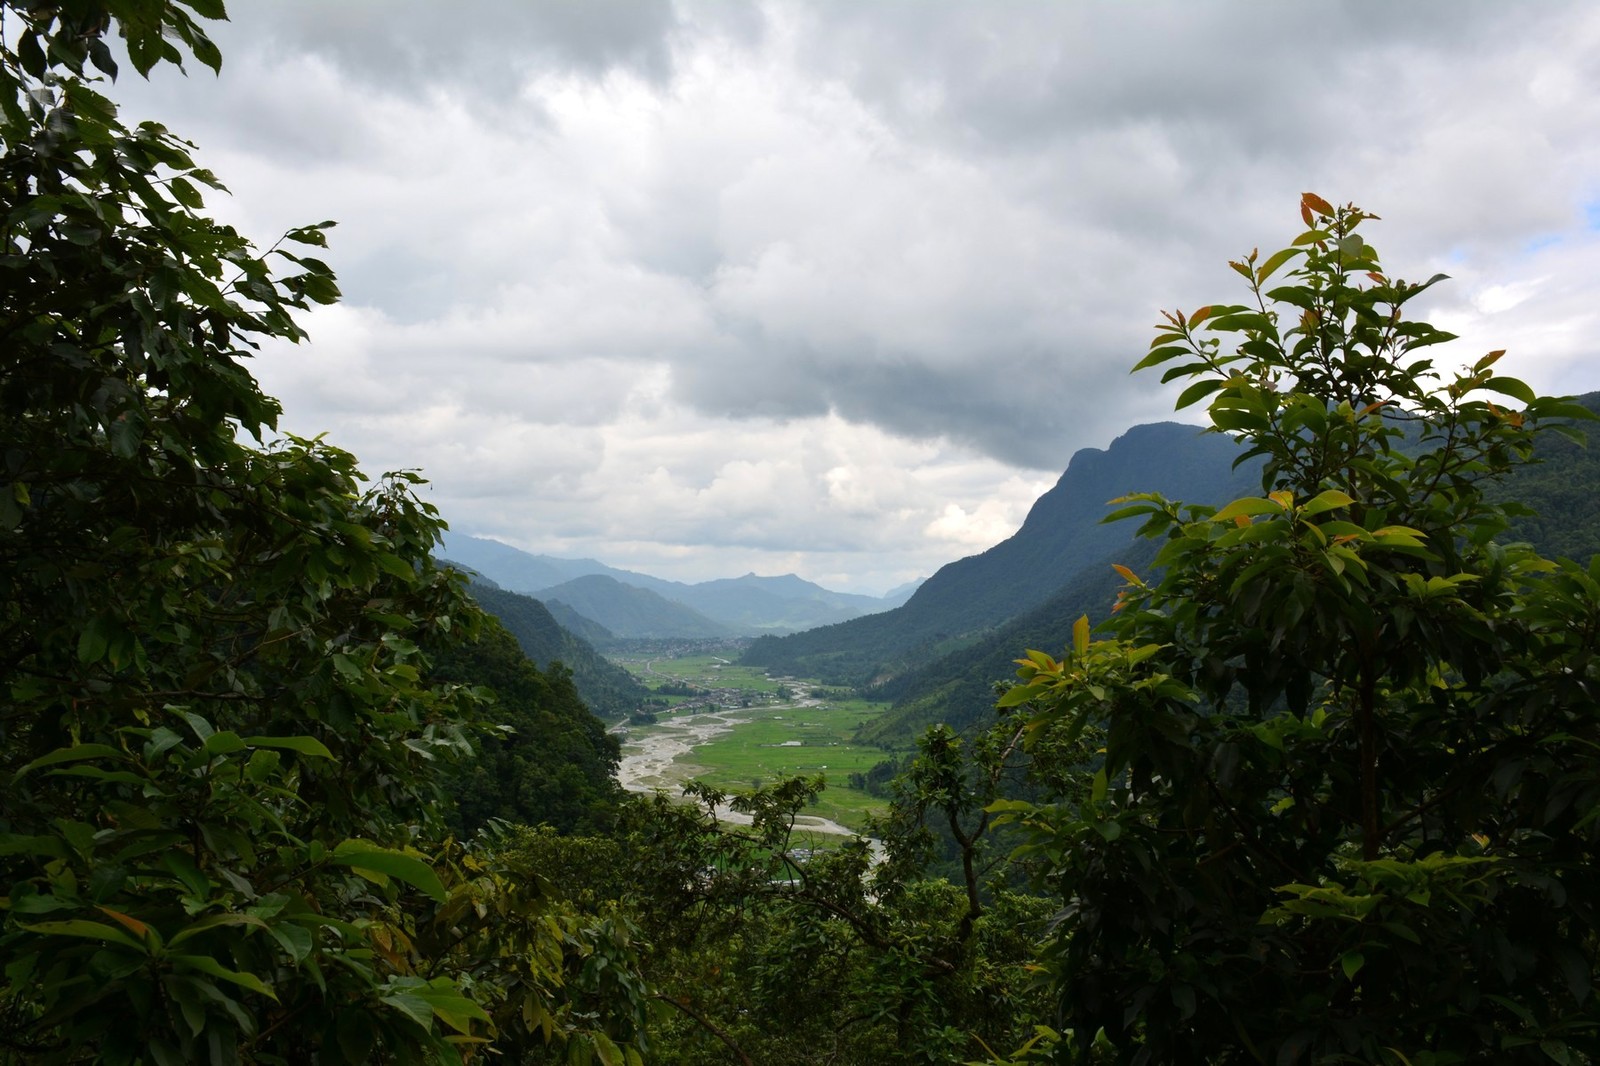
pixel 798 734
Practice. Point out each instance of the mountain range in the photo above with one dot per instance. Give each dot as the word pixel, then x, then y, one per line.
pixel 1061 536
pixel 937 654
pixel 608 690
pixel 938 657
pixel 630 605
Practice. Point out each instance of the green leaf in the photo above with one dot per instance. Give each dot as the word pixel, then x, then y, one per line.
pixel 364 855
pixel 94 639
pixel 1556 1051
pixel 1274 261
pixel 1249 505
pixel 211 967
pixel 186 194
pixel 13 844
pixel 73 754
pixel 393 564
pixel 1327 500
pixel 303 745
pixel 1511 387
pixel 606 1048
pixel 89 930
pixel 1161 355
pixel 450 1006
pixel 214 921
pixel 412 1006
pixel 223 743
pixel 1198 391
pixel 1351 962
pixel 1019 694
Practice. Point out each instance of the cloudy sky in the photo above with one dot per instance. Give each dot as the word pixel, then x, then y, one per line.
pixel 838 288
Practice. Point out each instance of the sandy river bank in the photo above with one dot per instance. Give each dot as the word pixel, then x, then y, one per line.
pixel 661 759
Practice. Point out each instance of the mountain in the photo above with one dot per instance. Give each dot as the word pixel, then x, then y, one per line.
pixel 958 688
pixel 579 626
pixel 764 604
pixel 510 568
pixel 901 593
pixel 557 766
pixel 745 606
pixel 1561 488
pixel 610 691
pixel 1563 491
pixel 1062 534
pixel 631 612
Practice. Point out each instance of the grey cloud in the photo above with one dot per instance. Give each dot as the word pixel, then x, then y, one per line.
pixel 1043 70
pixel 626 273
pixel 482 45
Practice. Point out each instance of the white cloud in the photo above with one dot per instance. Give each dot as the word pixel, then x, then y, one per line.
pixel 838 288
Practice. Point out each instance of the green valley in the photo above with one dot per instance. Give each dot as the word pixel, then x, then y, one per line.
pixel 735 728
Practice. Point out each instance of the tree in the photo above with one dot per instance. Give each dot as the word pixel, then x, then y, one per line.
pixel 220 832
pixel 759 946
pixel 1346 806
pixel 548 760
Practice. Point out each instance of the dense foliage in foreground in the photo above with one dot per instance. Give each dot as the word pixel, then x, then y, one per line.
pixel 1347 804
pixel 222 836
pixel 1325 793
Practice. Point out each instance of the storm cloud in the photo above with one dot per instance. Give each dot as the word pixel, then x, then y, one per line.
pixel 839 288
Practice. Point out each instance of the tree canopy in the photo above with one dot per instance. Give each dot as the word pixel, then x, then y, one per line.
pixel 1324 791
pixel 222 835
pixel 1345 810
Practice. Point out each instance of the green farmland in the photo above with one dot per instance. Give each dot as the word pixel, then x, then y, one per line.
pixel 795 735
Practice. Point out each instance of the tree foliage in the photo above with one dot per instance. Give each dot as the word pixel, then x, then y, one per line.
pixel 1346 806
pixel 546 759
pixel 221 834
pixel 758 946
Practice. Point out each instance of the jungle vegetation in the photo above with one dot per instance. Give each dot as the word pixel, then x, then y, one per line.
pixel 276 791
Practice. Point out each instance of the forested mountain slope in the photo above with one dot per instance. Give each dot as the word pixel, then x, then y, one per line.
pixel 610 691
pixel 748 605
pixel 1563 491
pixel 587 629
pixel 631 612
pixel 958 688
pixel 556 765
pixel 1562 488
pixel 1063 533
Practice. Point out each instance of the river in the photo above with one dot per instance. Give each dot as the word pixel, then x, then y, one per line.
pixel 659 760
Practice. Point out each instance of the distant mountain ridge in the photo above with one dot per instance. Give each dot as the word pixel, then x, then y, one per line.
pixel 742 606
pixel 609 691
pixel 1062 534
pixel 956 687
pixel 939 653
pixel 631 612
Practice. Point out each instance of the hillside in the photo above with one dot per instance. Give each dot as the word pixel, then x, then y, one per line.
pixel 610 691
pixel 1563 491
pixel 1562 488
pixel 557 766
pixel 749 605
pixel 586 629
pixel 958 688
pixel 787 603
pixel 1062 534
pixel 630 612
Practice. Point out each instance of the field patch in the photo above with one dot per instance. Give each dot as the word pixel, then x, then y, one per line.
pixel 784 727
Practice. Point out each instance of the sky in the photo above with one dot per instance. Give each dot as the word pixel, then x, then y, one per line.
pixel 710 287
